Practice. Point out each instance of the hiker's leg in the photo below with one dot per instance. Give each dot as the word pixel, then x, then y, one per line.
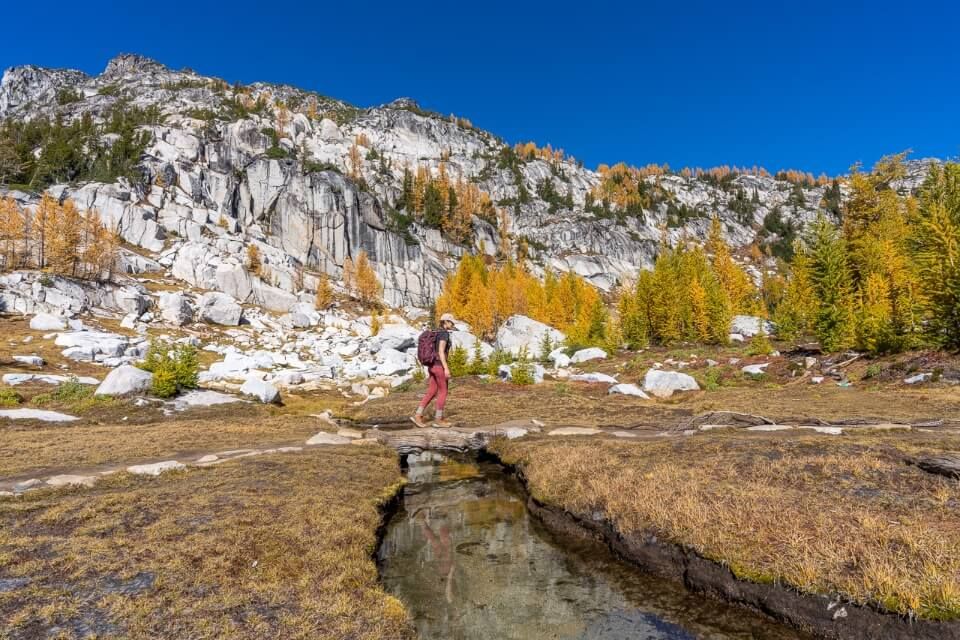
pixel 441 392
pixel 432 388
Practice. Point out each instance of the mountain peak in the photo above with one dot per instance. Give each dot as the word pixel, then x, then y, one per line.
pixel 125 63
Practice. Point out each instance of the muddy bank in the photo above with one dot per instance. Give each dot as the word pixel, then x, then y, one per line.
pixel 823 616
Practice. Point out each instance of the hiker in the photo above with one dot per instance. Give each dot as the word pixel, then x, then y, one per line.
pixel 432 350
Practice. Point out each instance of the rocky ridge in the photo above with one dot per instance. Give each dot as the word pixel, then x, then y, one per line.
pixel 215 180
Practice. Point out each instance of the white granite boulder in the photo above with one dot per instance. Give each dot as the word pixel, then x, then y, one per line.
pixel 584 355
pixel 261 390
pixel 628 389
pixel 175 308
pixel 219 308
pixel 125 380
pixel 47 322
pixel 522 333
pixel 664 383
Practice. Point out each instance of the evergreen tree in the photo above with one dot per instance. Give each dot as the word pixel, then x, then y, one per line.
pixel 936 248
pixel 796 314
pixel 834 323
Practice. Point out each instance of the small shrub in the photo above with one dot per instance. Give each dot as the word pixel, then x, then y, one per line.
pixel 164 382
pixel 376 323
pixel 457 361
pixel 872 371
pixel 760 345
pixel 72 395
pixel 9 398
pixel 561 389
pixel 522 373
pixel 477 366
pixel 419 375
pixel 546 347
pixel 173 367
pixel 496 359
pixel 711 379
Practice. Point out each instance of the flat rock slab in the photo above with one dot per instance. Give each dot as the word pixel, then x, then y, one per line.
pixel 328 438
pixel 353 434
pixel 770 427
pixel 574 431
pixel 68 480
pixel 13 379
pixel 156 468
pixel 457 439
pixel 36 414
pixel 830 431
pixel 203 398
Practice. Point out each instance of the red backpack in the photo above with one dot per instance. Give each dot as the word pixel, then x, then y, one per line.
pixel 427 347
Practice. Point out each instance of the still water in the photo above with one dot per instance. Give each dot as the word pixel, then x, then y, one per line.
pixel 468 561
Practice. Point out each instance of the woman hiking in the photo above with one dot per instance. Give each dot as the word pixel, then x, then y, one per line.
pixel 432 350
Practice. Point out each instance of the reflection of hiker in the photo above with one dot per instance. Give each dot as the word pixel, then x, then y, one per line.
pixel 442 547
pixel 432 349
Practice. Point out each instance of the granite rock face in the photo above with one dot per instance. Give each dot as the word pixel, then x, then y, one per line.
pixel 213 186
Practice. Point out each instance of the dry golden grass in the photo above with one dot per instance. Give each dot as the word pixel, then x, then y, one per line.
pixel 823 514
pixel 473 402
pixel 273 547
pixel 25 448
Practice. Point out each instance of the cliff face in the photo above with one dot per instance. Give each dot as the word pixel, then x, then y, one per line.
pixel 215 178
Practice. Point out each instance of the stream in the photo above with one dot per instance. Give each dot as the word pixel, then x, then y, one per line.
pixel 468 561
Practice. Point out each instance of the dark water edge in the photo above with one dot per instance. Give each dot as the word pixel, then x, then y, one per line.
pixel 468 561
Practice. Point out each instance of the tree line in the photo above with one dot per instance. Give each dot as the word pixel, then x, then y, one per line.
pixel 887 277
pixel 57 237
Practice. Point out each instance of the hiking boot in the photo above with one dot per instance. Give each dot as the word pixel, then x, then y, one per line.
pixel 419 421
pixel 440 423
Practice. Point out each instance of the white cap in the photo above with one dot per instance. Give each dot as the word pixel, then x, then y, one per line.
pixel 448 317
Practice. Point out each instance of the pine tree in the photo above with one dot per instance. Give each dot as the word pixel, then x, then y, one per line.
pixel 40 226
pixel 795 316
pixel 875 331
pixel 11 233
pixel 936 249
pixel 63 238
pixel 324 297
pixel 732 278
pixel 834 324
pixel 368 285
pixel 254 264
pixel 349 276
pixel 700 319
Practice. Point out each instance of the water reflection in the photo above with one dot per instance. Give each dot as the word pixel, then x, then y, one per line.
pixel 468 562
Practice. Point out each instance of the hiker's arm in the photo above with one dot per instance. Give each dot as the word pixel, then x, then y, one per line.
pixel 442 347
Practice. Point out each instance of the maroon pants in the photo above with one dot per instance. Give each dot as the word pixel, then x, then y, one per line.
pixel 436 387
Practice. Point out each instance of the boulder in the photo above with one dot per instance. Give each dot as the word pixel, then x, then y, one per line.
pixel 559 358
pixel 749 326
pixel 47 322
pixel 505 372
pixel 262 391
pixel 755 369
pixel 34 361
pixel 593 377
pixel 522 333
pixel 125 380
pixel 219 308
pixel 583 355
pixel 393 362
pixel 664 383
pixel 175 308
pixel 628 389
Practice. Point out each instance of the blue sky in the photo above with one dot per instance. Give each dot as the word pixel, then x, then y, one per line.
pixel 808 85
